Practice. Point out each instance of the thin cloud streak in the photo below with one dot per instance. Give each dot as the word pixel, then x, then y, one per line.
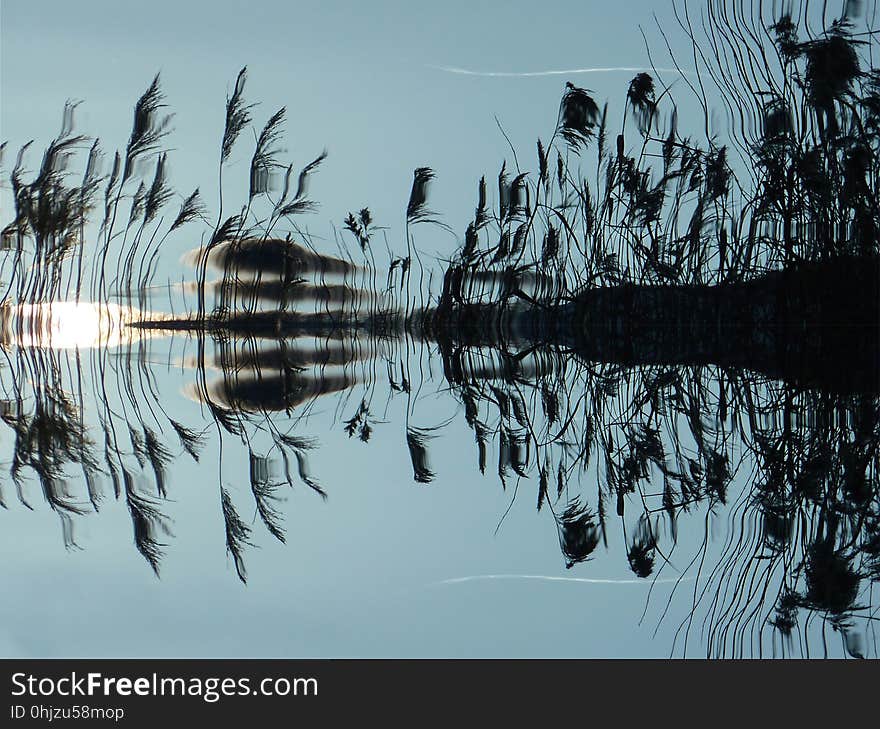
pixel 552 578
pixel 560 72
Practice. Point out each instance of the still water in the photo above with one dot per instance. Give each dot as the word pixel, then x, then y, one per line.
pixel 330 496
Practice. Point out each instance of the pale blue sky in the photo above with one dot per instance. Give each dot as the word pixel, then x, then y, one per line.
pixel 356 78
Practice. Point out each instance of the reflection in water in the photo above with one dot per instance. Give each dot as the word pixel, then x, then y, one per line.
pixel 648 358
pixel 647 450
pixel 278 378
pixel 71 325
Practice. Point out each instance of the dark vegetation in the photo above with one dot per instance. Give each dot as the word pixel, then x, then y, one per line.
pixel 637 326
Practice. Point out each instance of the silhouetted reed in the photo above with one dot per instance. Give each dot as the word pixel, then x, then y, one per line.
pixel 662 210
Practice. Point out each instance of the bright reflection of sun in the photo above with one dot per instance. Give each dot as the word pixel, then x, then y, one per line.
pixel 70 325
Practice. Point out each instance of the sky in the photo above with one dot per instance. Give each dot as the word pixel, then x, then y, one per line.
pixel 363 574
pixel 362 80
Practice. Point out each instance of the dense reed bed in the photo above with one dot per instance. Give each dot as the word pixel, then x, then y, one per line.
pixel 788 205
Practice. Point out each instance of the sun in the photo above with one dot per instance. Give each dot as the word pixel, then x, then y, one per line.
pixel 69 325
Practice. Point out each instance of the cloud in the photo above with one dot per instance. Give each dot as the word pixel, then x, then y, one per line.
pixel 553 578
pixel 560 72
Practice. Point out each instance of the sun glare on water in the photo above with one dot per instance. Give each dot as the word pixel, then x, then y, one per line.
pixel 70 325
